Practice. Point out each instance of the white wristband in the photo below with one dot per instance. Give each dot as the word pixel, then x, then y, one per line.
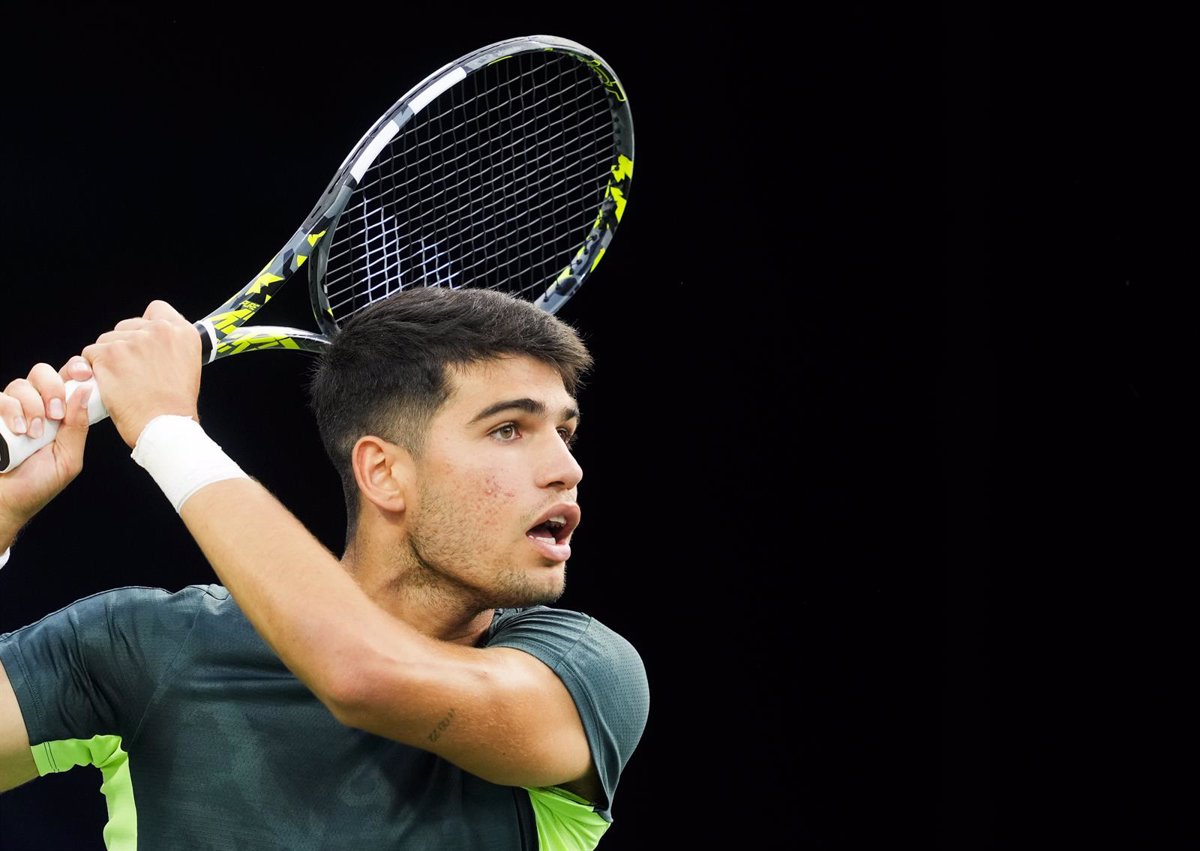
pixel 181 457
pixel 4 557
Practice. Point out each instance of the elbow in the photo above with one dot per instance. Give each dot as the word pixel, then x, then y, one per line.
pixel 348 695
pixel 361 693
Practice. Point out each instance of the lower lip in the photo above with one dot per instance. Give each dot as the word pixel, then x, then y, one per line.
pixel 550 550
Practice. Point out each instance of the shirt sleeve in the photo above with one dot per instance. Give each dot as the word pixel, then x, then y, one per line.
pixel 92 667
pixel 603 673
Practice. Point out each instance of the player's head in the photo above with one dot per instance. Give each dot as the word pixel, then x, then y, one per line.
pixel 387 371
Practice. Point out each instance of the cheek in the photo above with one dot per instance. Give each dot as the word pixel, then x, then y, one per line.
pixel 494 489
pixel 487 502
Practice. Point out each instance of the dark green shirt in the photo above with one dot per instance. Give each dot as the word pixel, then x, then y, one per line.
pixel 206 741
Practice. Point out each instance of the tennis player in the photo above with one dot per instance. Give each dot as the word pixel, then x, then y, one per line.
pixel 421 692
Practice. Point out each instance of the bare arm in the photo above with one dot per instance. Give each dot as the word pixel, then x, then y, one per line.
pixel 16 759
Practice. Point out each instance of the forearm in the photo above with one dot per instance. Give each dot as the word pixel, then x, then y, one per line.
pixel 13 517
pixel 291 588
pixel 10 530
pixel 500 714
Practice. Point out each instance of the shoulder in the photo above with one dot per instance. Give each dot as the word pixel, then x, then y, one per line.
pixel 576 646
pixel 551 627
pixel 143 597
pixel 600 668
pixel 111 633
pixel 138 606
pixel 548 623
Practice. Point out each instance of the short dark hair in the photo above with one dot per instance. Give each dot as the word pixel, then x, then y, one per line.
pixel 385 372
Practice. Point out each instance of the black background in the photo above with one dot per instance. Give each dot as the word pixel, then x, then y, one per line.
pixel 868 427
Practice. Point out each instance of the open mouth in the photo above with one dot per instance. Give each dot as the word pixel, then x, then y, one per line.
pixel 552 529
pixel 556 526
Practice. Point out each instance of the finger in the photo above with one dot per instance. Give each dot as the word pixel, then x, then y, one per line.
pixel 21 389
pixel 109 337
pixel 76 369
pixel 106 337
pixel 28 415
pixel 77 412
pixel 52 388
pixel 159 309
pixel 133 323
pixel 12 412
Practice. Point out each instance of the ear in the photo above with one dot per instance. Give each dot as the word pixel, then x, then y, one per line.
pixel 384 472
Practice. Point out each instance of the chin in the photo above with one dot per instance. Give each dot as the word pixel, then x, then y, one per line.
pixel 549 593
pixel 541 588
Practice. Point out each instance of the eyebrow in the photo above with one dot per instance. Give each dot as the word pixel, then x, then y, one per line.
pixel 529 406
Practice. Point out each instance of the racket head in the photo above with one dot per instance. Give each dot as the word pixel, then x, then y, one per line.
pixel 508 168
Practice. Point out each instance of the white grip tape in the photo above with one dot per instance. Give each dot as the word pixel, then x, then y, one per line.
pixel 182 458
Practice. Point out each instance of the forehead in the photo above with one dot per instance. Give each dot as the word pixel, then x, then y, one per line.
pixel 515 377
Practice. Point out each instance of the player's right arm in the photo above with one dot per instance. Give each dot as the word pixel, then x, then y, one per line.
pixel 16 759
pixel 25 406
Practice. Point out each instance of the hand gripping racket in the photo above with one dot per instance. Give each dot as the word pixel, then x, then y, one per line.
pixel 508 168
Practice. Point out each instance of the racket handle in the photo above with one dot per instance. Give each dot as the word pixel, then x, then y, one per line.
pixel 15 448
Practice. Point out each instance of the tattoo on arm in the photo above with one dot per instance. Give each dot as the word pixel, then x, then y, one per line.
pixel 442 726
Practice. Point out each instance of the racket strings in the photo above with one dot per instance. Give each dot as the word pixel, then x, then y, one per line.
pixel 556 168
pixel 501 152
pixel 496 183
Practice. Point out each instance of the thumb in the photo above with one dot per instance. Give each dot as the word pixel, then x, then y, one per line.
pixel 73 430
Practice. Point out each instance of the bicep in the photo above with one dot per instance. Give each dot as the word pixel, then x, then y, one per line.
pixel 16 759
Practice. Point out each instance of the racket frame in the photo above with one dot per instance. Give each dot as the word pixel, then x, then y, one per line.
pixel 225 331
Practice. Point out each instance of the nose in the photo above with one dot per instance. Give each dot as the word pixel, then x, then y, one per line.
pixel 560 468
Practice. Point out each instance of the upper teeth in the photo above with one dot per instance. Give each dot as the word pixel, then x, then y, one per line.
pixel 557 520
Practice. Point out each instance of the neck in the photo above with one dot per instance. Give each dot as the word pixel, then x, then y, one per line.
pixel 406 592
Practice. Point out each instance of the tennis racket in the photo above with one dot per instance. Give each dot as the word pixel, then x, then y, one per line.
pixel 508 168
